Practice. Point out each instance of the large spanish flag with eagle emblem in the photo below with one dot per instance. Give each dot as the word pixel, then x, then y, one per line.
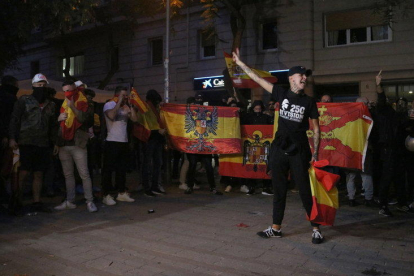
pixel 324 194
pixel 252 162
pixel 71 124
pixel 202 129
pixel 240 79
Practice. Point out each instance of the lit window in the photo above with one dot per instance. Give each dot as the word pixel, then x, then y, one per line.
pixel 77 65
pixel 355 27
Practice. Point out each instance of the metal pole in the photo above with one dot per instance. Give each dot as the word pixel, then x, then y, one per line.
pixel 167 55
pixel 167 159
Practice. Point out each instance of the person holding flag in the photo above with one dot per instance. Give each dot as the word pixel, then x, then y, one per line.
pixel 117 112
pixel 76 117
pixel 290 149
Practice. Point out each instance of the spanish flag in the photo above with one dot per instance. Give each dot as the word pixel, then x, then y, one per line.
pixel 136 100
pixel 71 124
pixel 202 129
pixel 150 120
pixel 252 162
pixel 344 128
pixel 240 79
pixel 324 194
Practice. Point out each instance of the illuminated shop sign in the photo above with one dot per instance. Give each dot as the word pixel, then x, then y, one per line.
pixel 217 82
pixel 209 83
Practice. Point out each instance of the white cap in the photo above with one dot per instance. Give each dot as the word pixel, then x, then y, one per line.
pixel 78 83
pixel 39 77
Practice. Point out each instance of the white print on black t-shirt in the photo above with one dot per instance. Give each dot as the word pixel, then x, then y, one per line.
pixel 294 113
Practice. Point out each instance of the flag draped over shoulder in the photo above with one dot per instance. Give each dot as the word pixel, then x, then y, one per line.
pixel 324 194
pixel 240 79
pixel 148 117
pixel 202 129
pixel 252 162
pixel 344 128
pixel 71 124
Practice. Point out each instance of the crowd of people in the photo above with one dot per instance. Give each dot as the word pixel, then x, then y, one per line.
pixel 66 141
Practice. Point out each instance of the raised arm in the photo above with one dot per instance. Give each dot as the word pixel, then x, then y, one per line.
pixel 262 82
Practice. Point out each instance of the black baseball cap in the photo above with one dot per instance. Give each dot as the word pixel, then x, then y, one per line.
pixel 299 70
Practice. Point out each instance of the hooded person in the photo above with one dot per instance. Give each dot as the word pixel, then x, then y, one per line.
pixel 256 115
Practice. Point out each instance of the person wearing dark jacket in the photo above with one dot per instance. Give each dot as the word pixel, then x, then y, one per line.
pixel 256 116
pixel 391 136
pixel 33 127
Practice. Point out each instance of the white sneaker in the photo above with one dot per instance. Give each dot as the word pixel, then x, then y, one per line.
pixel 65 205
pixel 109 200
pixel 183 186
pixel 228 189
pixel 196 187
pixel 244 189
pixel 124 197
pixel 161 188
pixel 91 207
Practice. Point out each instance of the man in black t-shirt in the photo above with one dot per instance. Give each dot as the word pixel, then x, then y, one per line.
pixel 290 149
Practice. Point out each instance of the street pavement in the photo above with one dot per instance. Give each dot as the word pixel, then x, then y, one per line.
pixel 202 234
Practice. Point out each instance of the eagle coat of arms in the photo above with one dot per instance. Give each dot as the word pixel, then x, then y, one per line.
pixel 256 152
pixel 202 122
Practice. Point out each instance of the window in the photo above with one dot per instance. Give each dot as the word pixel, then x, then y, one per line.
pixel 268 36
pixel 77 65
pixel 156 51
pixel 208 45
pixel 34 68
pixel 355 27
pixel 396 91
pixel 114 58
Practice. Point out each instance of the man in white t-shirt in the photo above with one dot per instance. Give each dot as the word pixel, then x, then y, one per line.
pixel 116 112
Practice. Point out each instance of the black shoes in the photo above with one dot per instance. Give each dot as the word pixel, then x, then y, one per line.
pixel 251 192
pixel 270 233
pixel 352 203
pixel 189 191
pixel 40 207
pixel 267 191
pixel 158 191
pixel 405 209
pixel 149 194
pixel 385 212
pixel 215 192
pixel 317 237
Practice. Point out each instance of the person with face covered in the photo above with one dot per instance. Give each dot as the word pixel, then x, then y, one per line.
pixel 290 150
pixel 391 129
pixel 77 112
pixel 117 112
pixel 32 128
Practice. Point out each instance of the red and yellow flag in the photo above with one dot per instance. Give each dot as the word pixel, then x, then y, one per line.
pixel 202 129
pixel 150 120
pixel 252 162
pixel 240 79
pixel 136 100
pixel 324 194
pixel 345 128
pixel 71 124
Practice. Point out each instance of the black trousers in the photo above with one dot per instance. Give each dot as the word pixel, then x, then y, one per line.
pixel 206 159
pixel 298 165
pixel 115 159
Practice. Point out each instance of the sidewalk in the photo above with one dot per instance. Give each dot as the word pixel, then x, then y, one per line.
pixel 198 235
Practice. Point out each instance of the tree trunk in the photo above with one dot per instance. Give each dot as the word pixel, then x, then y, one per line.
pixel 114 67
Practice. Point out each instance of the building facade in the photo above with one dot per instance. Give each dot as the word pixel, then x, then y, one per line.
pixel 345 43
